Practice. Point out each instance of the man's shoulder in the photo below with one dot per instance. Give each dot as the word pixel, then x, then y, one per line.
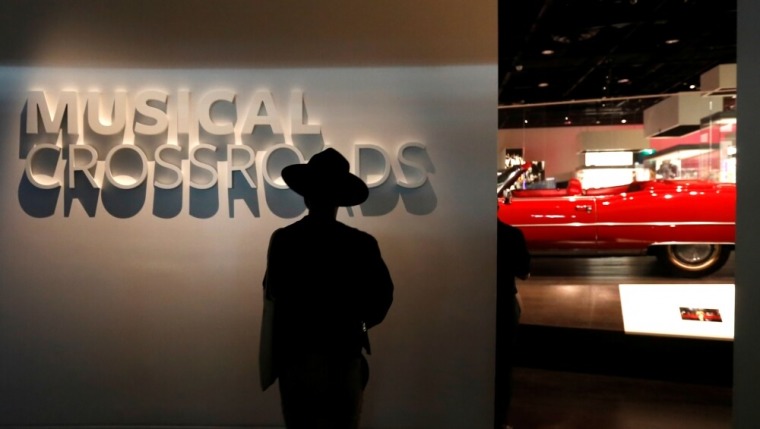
pixel 297 228
pixel 339 229
pixel 508 230
pixel 354 232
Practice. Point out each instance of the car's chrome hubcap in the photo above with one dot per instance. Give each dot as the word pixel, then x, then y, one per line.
pixel 694 257
pixel 694 253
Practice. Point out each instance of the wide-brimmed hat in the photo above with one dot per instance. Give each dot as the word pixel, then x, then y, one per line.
pixel 326 177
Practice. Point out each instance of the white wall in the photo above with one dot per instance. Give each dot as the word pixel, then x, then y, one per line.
pixel 142 307
pixel 560 146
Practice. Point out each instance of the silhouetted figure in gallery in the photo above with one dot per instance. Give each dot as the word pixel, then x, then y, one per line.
pixel 513 261
pixel 329 285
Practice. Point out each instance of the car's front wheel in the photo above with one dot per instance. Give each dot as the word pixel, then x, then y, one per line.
pixel 693 260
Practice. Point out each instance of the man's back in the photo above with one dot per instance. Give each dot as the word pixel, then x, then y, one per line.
pixel 329 281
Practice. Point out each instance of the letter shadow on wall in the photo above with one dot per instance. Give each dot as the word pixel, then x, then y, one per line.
pixel 219 142
pixel 82 191
pixel 418 201
pixel 149 143
pixel 283 202
pixel 102 143
pixel 27 141
pixel 204 203
pixel 308 144
pixel 37 202
pixel 167 203
pixel 262 138
pixel 124 203
pixel 421 200
pixel 224 113
pixel 241 191
pixel 384 198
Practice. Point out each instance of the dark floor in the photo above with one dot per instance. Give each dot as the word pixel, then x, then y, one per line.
pixel 577 369
pixel 545 399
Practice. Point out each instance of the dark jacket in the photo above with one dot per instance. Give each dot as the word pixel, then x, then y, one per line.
pixel 329 283
pixel 512 256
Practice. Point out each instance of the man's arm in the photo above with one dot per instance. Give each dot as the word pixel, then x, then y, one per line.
pixel 379 296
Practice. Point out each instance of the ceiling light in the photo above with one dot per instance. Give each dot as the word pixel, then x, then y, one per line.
pixel 623 121
pixel 624 80
pixel 692 86
pixel 543 84
pixel 547 52
pixel 671 41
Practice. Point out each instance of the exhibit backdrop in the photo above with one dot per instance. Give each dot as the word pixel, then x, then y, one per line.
pixel 137 201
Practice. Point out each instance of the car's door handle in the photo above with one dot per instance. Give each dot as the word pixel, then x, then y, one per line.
pixel 584 207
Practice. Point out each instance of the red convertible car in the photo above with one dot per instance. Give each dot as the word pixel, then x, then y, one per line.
pixel 689 225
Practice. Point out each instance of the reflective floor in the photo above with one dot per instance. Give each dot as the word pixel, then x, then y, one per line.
pixel 583 292
pixel 578 370
pixel 632 269
pixel 562 400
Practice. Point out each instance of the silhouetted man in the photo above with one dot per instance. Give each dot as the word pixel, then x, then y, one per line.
pixel 330 285
pixel 513 261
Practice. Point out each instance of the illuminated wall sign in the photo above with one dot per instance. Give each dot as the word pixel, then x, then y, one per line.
pixel 179 126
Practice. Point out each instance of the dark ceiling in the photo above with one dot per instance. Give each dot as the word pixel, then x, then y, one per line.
pixel 554 53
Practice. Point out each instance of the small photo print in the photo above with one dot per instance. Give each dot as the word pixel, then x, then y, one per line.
pixel 701 314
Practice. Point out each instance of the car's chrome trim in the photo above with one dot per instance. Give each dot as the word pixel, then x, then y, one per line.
pixel 593 252
pixel 563 198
